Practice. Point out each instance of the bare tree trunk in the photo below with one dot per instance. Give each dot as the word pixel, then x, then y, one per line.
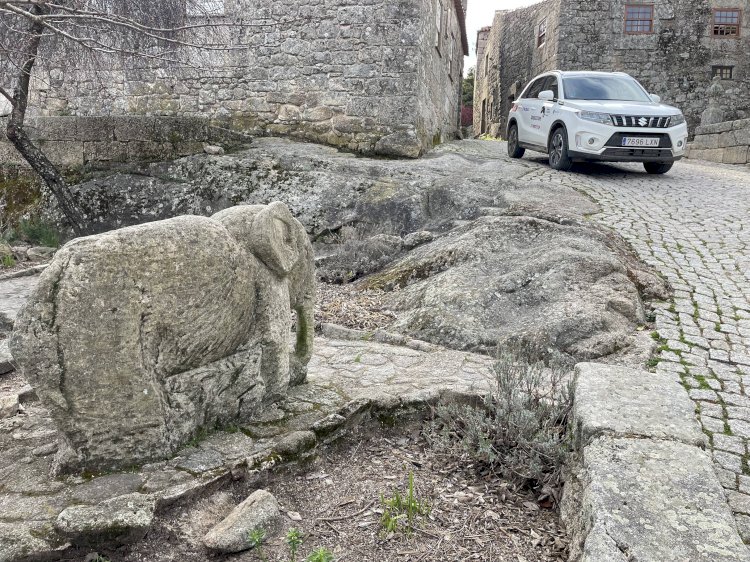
pixel 17 135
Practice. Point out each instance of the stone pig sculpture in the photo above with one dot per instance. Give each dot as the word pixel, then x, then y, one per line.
pixel 134 339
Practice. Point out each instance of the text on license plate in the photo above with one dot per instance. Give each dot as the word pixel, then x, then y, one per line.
pixel 640 141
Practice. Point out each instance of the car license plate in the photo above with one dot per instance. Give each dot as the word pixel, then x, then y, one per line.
pixel 640 141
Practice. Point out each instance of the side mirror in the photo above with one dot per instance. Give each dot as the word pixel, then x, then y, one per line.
pixel 546 95
pixel 655 98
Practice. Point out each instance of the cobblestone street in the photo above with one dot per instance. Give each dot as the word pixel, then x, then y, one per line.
pixel 692 225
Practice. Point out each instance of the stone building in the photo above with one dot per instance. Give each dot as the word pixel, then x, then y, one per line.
pixel 673 47
pixel 376 76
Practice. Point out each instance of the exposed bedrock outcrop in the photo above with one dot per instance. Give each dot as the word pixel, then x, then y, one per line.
pixel 572 287
pixel 504 252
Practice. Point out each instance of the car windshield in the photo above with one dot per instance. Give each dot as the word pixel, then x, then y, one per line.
pixel 615 88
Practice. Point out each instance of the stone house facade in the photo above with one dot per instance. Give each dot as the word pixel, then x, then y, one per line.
pixel 377 76
pixel 673 47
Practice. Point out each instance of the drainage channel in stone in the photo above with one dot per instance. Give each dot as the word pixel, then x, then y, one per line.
pixel 337 501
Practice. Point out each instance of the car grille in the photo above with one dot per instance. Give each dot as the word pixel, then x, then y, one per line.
pixel 645 121
pixel 638 152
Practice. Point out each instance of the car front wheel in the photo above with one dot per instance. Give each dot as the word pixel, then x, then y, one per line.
pixel 558 151
pixel 657 167
pixel 514 150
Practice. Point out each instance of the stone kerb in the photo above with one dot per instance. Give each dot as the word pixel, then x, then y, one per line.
pixel 138 339
pixel 643 487
pixel 727 142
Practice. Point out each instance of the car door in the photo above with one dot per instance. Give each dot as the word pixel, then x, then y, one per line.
pixel 528 106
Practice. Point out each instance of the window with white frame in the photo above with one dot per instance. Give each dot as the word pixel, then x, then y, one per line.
pixel 541 33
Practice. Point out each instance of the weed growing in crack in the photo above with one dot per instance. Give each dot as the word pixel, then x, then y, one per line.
pixel 727 429
pixel 653 362
pixel 519 428
pixel 702 382
pixel 403 509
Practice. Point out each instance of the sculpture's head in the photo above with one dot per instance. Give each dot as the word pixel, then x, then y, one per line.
pixel 280 242
pixel 270 232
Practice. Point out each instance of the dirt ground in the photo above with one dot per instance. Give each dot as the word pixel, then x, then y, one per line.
pixel 335 502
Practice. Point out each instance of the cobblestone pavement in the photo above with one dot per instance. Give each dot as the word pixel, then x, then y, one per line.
pixel 692 225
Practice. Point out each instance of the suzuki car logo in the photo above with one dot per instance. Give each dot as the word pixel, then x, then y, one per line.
pixel 642 121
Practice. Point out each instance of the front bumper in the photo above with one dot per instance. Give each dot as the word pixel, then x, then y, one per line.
pixel 627 155
pixel 594 141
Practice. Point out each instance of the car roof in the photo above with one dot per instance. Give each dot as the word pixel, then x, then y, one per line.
pixel 565 73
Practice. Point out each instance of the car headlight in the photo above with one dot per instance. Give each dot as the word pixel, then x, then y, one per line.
pixel 596 117
pixel 678 119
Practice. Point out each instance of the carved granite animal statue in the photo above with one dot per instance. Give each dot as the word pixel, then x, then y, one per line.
pixel 137 338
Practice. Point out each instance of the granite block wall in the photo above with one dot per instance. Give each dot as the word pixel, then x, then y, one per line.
pixel 440 73
pixel 512 56
pixel 727 142
pixel 71 142
pixel 352 73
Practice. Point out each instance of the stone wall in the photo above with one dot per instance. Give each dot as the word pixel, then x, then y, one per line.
pixel 71 142
pixel 440 73
pixel 342 72
pixel 675 61
pixel 727 142
pixel 511 59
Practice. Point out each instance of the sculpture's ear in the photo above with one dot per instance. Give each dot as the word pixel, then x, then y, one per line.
pixel 274 238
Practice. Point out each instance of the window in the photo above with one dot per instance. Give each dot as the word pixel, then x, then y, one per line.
pixel 620 88
pixel 726 23
pixel 439 23
pixel 639 18
pixel 451 43
pixel 197 8
pixel 541 33
pixel 723 72
pixel 536 87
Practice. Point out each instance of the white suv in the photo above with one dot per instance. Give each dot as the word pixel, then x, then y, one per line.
pixel 604 116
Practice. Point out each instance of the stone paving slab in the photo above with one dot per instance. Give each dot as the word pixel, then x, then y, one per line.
pixel 654 501
pixel 643 487
pixel 349 382
pixel 624 402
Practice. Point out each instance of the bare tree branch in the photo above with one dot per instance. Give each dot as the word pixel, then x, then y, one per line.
pixel 6 95
pixel 17 134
